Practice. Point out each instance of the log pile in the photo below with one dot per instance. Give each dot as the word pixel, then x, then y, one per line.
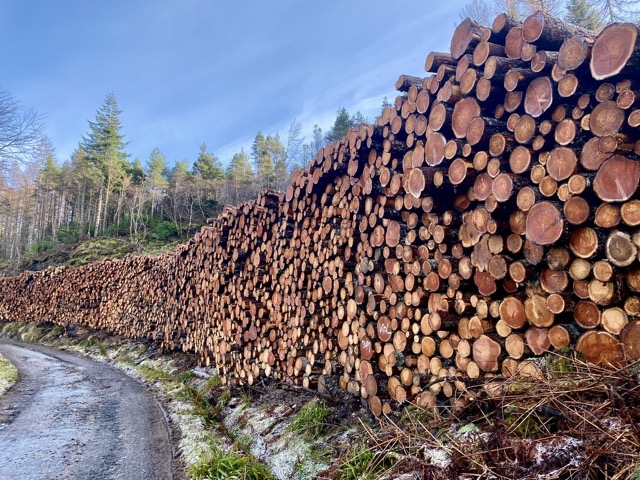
pixel 489 216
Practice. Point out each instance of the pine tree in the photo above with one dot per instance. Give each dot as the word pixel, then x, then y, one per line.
pixel 262 160
pixel 342 123
pixel 156 178
pixel 385 103
pixel 104 146
pixel 239 168
pixel 583 14
pixel 278 155
pixel 136 171
pixel 207 165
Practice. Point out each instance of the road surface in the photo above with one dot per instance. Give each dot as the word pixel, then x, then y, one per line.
pixel 69 417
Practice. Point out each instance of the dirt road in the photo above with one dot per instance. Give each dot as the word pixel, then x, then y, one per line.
pixel 71 418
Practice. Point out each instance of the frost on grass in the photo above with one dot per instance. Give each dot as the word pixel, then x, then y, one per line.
pixel 194 437
pixel 8 374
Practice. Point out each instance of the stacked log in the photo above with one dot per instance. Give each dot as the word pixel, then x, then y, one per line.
pixel 489 216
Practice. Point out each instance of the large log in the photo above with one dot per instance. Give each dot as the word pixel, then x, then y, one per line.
pixel 615 48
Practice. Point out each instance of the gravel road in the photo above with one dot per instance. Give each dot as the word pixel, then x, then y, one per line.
pixel 69 417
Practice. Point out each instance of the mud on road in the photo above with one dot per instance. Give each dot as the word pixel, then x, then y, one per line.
pixel 69 417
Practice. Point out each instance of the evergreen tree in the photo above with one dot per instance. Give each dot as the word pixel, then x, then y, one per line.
pixel 179 171
pixel 104 146
pixel 136 171
pixel 278 156
pixel 156 178
pixel 239 168
pixel 342 123
pixel 358 118
pixel 385 103
pixel 262 160
pixel 583 14
pixel 207 165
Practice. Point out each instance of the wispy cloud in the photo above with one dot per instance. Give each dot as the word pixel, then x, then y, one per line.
pixel 197 71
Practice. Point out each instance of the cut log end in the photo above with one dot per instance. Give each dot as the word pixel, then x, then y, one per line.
pixel 612 50
pixel 544 224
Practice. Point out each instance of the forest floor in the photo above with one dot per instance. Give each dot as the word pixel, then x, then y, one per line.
pixel 578 422
pixel 72 251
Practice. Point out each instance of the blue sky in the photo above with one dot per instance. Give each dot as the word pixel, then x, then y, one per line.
pixel 189 71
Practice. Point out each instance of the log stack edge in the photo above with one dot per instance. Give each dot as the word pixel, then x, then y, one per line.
pixel 489 216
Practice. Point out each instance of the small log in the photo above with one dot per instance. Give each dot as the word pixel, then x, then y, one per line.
pixel 592 157
pixel 614 320
pixel 606 119
pixel 548 31
pixel 543 61
pixel 495 68
pixel 544 224
pixel 562 163
pixel 630 339
pixel 538 340
pixel 484 50
pixel 586 314
pixel 559 337
pixel 405 82
pixel 513 43
pixel 537 312
pixel 486 353
pixel 435 59
pixel 576 210
pixel 464 111
pixel 574 52
pixel 539 96
pixel 621 251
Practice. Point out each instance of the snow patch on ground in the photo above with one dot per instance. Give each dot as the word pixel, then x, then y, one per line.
pixel 438 457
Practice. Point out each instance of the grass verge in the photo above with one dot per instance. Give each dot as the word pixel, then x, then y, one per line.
pixel 8 375
pixel 222 464
pixel 194 401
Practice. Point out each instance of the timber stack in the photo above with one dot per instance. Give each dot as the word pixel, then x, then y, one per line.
pixel 489 216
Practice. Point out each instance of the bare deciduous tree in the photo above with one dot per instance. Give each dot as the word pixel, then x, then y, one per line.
pixel 20 131
pixel 618 10
pixel 482 11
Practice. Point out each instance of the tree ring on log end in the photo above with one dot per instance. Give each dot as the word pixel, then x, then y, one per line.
pixel 612 49
pixel 539 96
pixel 617 179
pixel 544 224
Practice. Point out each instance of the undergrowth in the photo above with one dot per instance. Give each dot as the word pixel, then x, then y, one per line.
pixel 312 418
pixel 573 421
pixel 218 464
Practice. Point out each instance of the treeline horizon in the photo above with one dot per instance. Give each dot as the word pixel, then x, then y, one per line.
pixel 101 191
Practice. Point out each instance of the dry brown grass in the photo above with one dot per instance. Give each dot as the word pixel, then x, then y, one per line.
pixel 579 421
